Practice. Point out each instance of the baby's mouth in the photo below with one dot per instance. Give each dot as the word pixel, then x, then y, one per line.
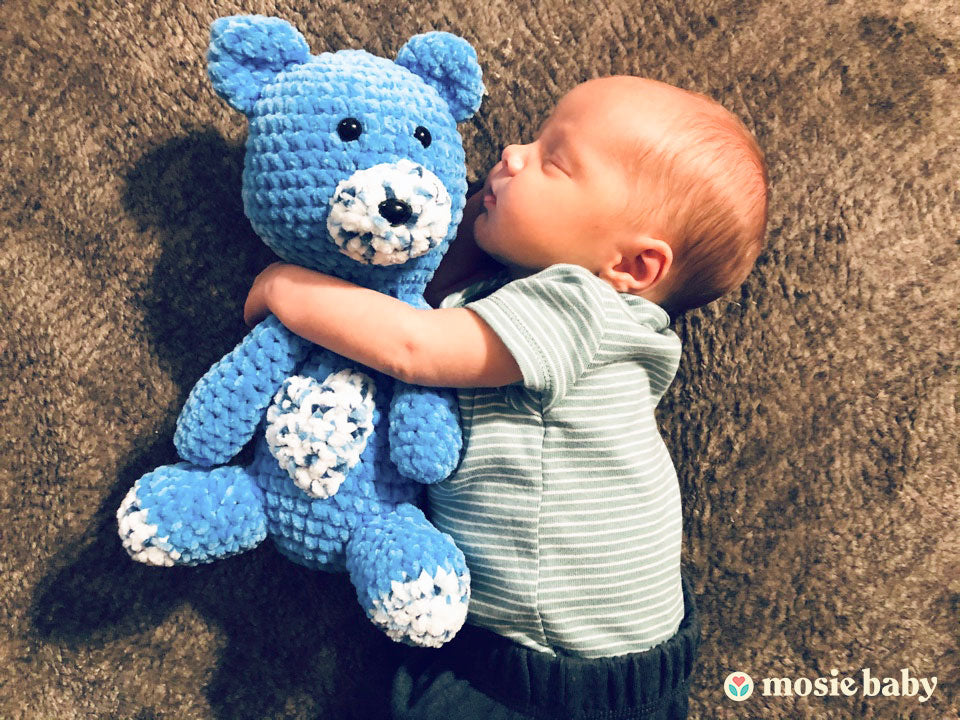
pixel 489 198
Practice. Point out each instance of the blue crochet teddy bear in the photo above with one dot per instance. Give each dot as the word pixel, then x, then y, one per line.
pixel 354 167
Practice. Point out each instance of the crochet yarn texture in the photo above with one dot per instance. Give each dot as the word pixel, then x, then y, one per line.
pixel 353 167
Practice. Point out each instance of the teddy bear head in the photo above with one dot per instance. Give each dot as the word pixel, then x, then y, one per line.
pixel 353 163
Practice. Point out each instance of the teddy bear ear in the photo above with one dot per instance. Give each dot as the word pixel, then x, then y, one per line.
pixel 449 64
pixel 247 51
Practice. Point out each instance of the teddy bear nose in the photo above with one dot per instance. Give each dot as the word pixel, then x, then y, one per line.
pixel 396 212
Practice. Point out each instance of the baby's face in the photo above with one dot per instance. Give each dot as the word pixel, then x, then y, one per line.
pixel 562 197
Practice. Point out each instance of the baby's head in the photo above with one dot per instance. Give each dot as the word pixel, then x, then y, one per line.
pixel 660 191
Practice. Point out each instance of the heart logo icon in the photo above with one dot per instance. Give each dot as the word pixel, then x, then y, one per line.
pixel 738 685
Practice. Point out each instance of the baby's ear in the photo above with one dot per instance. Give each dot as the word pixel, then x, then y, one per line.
pixel 247 51
pixel 449 64
pixel 642 263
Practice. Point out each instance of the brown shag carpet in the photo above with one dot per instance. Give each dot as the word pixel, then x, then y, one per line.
pixel 814 420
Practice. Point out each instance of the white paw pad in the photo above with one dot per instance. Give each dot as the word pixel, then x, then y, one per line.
pixel 317 431
pixel 427 611
pixel 140 537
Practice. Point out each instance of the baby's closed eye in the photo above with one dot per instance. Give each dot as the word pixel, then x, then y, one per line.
pixel 554 165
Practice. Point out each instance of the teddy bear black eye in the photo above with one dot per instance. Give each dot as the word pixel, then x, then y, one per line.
pixel 349 129
pixel 423 135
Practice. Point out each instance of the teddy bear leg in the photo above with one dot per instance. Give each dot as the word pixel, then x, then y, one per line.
pixel 185 515
pixel 411 579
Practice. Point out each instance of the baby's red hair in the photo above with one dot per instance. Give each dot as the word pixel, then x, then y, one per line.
pixel 703 188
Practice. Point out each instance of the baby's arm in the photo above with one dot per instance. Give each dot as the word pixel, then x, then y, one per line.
pixel 450 347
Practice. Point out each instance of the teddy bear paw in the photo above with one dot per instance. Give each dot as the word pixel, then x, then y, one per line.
pixel 317 431
pixel 139 537
pixel 426 611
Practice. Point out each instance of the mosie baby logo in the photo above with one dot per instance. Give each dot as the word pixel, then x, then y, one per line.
pixel 870 685
pixel 738 685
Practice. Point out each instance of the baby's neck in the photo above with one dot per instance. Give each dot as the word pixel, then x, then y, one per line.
pixel 516 272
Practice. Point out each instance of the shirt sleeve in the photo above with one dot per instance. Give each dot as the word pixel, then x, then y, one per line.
pixel 552 323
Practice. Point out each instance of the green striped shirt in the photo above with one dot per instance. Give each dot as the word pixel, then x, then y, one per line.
pixel 566 502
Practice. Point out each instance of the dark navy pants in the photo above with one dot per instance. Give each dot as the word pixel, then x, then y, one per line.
pixel 480 675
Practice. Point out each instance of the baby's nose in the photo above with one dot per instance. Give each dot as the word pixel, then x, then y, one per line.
pixel 512 157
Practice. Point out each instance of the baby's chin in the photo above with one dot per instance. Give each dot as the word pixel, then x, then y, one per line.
pixel 481 228
pixel 482 233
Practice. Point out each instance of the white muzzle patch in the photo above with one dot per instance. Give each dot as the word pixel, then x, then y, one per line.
pixel 390 213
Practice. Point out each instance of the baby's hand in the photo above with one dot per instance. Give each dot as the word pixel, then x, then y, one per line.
pixel 256 308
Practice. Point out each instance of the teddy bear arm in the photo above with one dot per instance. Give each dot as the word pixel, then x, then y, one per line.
pixel 425 438
pixel 225 406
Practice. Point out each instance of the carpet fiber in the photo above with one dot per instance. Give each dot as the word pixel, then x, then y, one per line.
pixel 813 422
